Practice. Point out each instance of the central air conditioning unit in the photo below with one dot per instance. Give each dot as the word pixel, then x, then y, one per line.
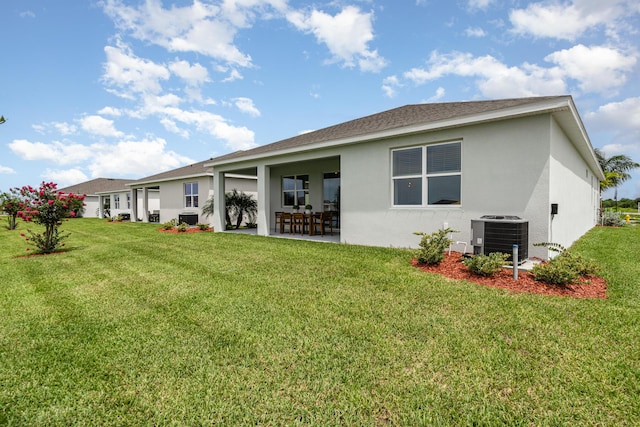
pixel 498 233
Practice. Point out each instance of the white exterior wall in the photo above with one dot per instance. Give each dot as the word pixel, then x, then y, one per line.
pixel 574 187
pixel 505 171
pixel 172 197
pixel 92 203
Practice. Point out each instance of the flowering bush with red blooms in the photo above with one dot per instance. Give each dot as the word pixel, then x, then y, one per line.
pixel 47 207
pixel 10 204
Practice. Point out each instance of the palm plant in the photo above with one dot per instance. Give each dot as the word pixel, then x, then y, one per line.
pixel 236 203
pixel 616 170
pixel 241 203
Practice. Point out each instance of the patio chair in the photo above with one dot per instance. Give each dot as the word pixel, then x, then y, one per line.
pixel 297 223
pixel 278 221
pixel 317 222
pixel 285 220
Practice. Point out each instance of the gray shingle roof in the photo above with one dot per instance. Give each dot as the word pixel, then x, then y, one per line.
pixel 195 169
pixel 408 115
pixel 97 185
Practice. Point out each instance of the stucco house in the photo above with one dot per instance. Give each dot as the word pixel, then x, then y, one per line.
pixel 428 166
pixel 105 197
pixel 182 193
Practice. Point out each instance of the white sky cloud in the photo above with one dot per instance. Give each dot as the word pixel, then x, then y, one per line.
pixel 390 85
pixel 130 74
pixel 56 152
pixel 624 116
pixel 64 177
pixel 569 20
pixel 493 78
pixel 246 106
pixel 475 32
pixel 193 75
pixel 597 68
pixel 97 125
pixel 6 170
pixel 480 4
pixel 347 35
pixel 199 27
pixel 237 138
pixel 139 158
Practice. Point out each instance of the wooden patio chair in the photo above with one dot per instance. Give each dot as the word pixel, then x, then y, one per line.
pixel 285 220
pixel 317 223
pixel 297 223
pixel 327 219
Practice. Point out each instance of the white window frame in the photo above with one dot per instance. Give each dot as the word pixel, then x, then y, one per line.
pixel 128 200
pixel 295 189
pixel 191 199
pixel 424 177
pixel 116 201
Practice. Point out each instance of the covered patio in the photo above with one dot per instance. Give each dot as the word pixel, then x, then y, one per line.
pixel 311 184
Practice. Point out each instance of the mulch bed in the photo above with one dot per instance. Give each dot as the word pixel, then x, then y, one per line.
pixel 452 267
pixel 188 230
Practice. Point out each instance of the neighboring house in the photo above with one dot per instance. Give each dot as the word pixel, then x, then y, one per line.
pixel 182 193
pixel 96 190
pixel 429 166
pixel 119 202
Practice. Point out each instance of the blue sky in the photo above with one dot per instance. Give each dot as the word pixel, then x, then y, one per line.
pixel 126 89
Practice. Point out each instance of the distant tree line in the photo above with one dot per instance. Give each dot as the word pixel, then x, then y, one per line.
pixel 623 204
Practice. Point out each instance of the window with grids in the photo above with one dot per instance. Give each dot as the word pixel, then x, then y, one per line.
pixel 295 190
pixel 128 200
pixel 191 195
pixel 427 176
pixel 116 201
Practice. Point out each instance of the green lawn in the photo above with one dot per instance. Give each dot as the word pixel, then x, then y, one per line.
pixel 130 326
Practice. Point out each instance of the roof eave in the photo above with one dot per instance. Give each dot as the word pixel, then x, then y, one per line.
pixel 177 178
pixel 547 106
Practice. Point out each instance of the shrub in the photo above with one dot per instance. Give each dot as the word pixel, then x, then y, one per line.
pixel 432 246
pixel 486 265
pixel 47 207
pixel 612 219
pixel 10 203
pixel 554 273
pixel 564 268
pixel 182 227
pixel 169 225
pixel 578 263
pixel 203 227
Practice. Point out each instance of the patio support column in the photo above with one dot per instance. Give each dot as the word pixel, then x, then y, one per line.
pixel 134 205
pixel 100 206
pixel 264 211
pixel 145 204
pixel 218 201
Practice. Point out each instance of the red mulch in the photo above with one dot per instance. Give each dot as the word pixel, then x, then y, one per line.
pixel 188 230
pixel 452 267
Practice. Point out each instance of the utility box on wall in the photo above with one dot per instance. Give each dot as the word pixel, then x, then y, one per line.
pixel 498 233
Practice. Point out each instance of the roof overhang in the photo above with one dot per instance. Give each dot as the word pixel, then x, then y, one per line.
pixel 158 181
pixel 562 108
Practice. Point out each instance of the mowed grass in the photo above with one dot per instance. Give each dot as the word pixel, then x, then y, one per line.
pixel 129 326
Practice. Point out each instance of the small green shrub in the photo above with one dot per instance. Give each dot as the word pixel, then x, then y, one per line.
pixel 182 227
pixel 554 273
pixel 612 219
pixel 169 225
pixel 203 227
pixel 578 263
pixel 564 268
pixel 432 246
pixel 486 265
